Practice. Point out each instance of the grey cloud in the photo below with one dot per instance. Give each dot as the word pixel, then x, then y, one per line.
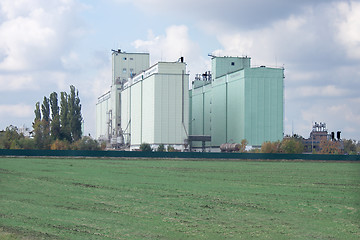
pixel 37 35
pixel 241 14
pixel 248 14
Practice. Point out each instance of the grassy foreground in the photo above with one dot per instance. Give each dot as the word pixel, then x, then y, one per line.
pixel 174 199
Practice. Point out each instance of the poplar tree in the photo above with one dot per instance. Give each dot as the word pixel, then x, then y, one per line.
pixel 65 129
pixel 65 122
pixel 45 110
pixel 37 126
pixel 55 116
pixel 75 117
pixel 37 112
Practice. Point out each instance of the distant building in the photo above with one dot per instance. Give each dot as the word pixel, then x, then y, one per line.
pixel 108 108
pixel 319 133
pixel 154 104
pixel 150 106
pixel 236 101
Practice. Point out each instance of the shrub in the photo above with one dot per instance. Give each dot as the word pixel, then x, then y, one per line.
pixel 60 145
pixel 161 148
pixel 270 147
pixel 27 143
pixel 243 145
pixel 145 147
pixel 292 145
pixel 103 145
pixel 170 148
pixel 86 143
pixel 329 147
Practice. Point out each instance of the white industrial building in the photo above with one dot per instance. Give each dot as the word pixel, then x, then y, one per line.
pixel 145 104
pixel 153 105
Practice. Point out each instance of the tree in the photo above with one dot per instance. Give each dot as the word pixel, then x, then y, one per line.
pixel 55 117
pixel 11 137
pixel 37 112
pixel 292 145
pixel 60 145
pixel 2 138
pixel 27 143
pixel 65 131
pixel 243 145
pixel 42 135
pixel 86 143
pixel 65 122
pixel 349 146
pixel 161 148
pixel 170 148
pixel 37 133
pixel 145 147
pixel 329 147
pixel 45 109
pixel 45 124
pixel 75 117
pixel 270 147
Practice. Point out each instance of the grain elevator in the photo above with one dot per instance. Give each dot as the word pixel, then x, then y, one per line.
pixel 154 105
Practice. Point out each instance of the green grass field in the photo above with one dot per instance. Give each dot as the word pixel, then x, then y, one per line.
pixel 178 199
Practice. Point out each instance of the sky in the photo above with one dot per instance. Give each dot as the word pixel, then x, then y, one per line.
pixel 46 46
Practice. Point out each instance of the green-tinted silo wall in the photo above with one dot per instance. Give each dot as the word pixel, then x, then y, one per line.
pixel 245 104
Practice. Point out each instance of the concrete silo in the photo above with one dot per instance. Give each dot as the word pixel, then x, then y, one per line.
pixel 108 108
pixel 144 105
pixel 238 102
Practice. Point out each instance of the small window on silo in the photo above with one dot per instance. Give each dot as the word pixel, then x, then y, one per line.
pixel 124 58
pixel 131 58
pixel 124 70
pixel 232 63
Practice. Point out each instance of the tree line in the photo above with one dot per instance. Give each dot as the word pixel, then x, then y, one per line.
pixel 295 145
pixel 56 126
pixel 65 121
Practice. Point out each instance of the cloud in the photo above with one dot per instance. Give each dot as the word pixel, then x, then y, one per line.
pixel 339 117
pixel 24 38
pixel 16 110
pixel 16 82
pixel 308 46
pixel 170 47
pixel 101 83
pixel 71 61
pixel 36 34
pixel 321 67
pixel 315 92
pixel 307 38
pixel 230 14
pixel 349 28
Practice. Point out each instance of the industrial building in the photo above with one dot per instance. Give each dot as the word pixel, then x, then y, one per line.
pixel 151 106
pixel 108 107
pixel 320 134
pixel 235 101
pixel 154 105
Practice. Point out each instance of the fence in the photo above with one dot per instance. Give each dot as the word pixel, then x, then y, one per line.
pixel 183 155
